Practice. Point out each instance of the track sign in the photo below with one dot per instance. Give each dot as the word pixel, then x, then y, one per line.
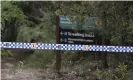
pixel 74 32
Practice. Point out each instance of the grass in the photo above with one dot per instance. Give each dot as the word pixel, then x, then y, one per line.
pixel 39 59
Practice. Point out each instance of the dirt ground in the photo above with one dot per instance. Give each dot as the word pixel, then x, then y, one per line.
pixel 9 72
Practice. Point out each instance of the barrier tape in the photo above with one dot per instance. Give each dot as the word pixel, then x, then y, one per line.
pixel 66 47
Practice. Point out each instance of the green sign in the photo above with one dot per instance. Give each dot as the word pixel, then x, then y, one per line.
pixel 66 23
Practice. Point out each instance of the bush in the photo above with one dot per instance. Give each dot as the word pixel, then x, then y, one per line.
pixel 6 53
pixel 120 73
pixel 39 59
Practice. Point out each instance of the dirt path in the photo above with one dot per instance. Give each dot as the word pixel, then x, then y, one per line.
pixel 9 72
pixel 7 63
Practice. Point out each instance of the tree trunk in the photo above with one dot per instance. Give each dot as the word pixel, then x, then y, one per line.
pixel 13 31
pixel 105 63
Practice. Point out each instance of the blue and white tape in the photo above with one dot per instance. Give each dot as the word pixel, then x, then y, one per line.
pixel 66 47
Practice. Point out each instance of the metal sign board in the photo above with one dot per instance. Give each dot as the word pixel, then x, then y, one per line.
pixel 76 37
pixel 66 23
pixel 68 35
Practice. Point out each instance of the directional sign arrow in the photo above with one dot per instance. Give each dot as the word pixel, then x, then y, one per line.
pixel 61 33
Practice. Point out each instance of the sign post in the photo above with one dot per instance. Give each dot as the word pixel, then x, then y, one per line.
pixel 58 54
pixel 65 34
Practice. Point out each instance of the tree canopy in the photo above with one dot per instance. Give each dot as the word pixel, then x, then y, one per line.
pixel 30 16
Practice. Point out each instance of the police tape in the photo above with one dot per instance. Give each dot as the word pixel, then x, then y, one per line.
pixel 66 47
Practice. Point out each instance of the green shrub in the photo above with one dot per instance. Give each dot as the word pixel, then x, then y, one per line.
pixel 6 53
pixel 40 59
pixel 120 73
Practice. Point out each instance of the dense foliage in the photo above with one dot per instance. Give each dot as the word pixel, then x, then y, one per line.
pixel 26 20
pixel 18 17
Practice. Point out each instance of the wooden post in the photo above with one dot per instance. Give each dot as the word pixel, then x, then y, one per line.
pixel 58 55
pixel 105 63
